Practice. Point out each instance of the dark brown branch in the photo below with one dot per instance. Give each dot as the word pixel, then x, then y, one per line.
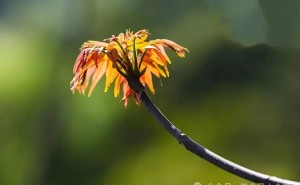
pixel 208 155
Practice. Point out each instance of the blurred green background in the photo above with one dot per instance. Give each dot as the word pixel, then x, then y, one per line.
pixel 237 93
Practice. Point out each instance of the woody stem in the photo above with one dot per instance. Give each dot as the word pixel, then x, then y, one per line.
pixel 208 155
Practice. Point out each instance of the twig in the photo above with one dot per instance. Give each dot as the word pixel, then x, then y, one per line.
pixel 208 155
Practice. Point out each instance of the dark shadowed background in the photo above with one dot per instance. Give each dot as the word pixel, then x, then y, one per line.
pixel 237 93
